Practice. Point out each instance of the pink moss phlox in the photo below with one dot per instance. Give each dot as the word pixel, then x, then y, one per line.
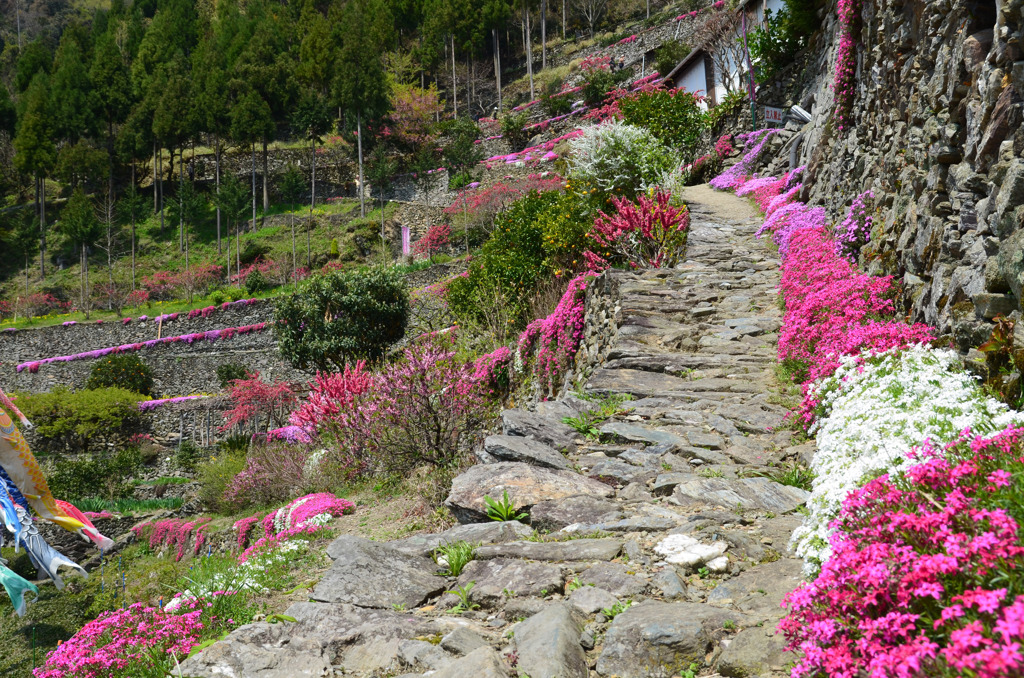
pixel 553 341
pixel 917 580
pixel 288 521
pixel 491 370
pixel 846 60
pixel 855 230
pixel 150 405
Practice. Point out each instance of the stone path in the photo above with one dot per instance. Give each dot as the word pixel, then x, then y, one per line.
pixel 662 511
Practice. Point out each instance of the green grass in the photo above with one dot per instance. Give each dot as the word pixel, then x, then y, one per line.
pixel 129 505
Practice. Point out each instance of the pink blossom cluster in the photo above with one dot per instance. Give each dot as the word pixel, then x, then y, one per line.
pixel 630 39
pixel 648 233
pixel 121 638
pixel 925 573
pixel 288 521
pixel 289 434
pixel 170 284
pixel 855 230
pixel 39 303
pixel 150 405
pixel 846 60
pixel 553 341
pixel 174 532
pixel 491 370
pixel 97 515
pixel 596 63
pixel 137 298
pixel 206 312
pixel 210 336
pixel 755 144
pixel 531 154
pixel 487 202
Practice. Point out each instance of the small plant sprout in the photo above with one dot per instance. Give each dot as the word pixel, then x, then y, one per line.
pixel 729 625
pixel 464 604
pixel 703 573
pixel 573 585
pixel 616 609
pixel 454 556
pixel 503 510
pixel 398 607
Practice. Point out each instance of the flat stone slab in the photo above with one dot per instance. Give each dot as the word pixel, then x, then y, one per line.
pixel 760 590
pixel 494 578
pixel 617 579
pixel 749 418
pixel 589 600
pixel 621 472
pixel 371 574
pixel 555 514
pixel 526 485
pixel 637 383
pixel 526 450
pixel 545 429
pixel 640 434
pixel 648 637
pixel 482 662
pixel 755 651
pixel 631 524
pixel 574 549
pixel 494 532
pixel 746 493
pixel 548 645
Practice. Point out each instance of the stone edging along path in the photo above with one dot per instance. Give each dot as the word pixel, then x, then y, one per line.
pixel 669 513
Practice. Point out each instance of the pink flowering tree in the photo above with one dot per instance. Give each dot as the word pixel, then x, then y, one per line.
pixel 259 401
pixel 433 241
pixel 649 233
pixel 926 575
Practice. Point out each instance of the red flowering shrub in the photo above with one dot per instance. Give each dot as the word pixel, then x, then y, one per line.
pixel 480 208
pixel 6 308
pixel 162 285
pixel 925 577
pixel 433 241
pixel 137 298
pixel 649 233
pixel 40 303
pixel 256 399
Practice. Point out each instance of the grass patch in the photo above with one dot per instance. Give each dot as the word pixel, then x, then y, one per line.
pixel 130 505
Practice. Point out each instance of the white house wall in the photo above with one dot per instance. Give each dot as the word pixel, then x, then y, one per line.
pixel 694 79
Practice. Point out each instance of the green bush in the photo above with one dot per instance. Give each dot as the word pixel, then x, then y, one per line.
pixel 214 475
pixel 673 117
pixel 188 456
pixel 669 55
pixel 513 130
pixel 341 316
pixel 103 476
pixel 255 283
pixel 235 293
pixel 552 104
pixel 618 159
pixel 334 248
pixel 597 85
pixel 217 298
pixel 228 372
pixel 122 371
pixel 67 420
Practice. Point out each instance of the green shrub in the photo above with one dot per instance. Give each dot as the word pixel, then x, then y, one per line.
pixel 618 159
pixel 217 298
pixel 597 85
pixel 214 475
pixel 673 117
pixel 552 104
pixel 235 293
pixel 228 372
pixel 255 283
pixel 67 420
pixel 122 371
pixel 188 456
pixel 104 476
pixel 341 316
pixel 235 444
pixel 334 248
pixel 669 55
pixel 513 130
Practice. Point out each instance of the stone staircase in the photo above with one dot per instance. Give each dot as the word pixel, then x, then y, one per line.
pixel 664 510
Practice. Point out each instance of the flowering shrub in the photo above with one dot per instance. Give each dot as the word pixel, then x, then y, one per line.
pixel 412 114
pixel 618 159
pixel 552 342
pixel 255 399
pixel 925 573
pixel 855 231
pixel 755 144
pixel 40 303
pixel 211 335
pixel 673 116
pixel 846 59
pixel 150 405
pixel 273 472
pixel 435 239
pixel 339 407
pixel 178 533
pixel 480 208
pixel 649 233
pixel 868 415
pixel 6 308
pixel 137 298
pixel 493 370
pixel 312 510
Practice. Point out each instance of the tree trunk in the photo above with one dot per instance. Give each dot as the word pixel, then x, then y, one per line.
pixel 529 49
pixel 42 226
pixel 563 19
pixel 312 202
pixel 181 185
pixel 266 184
pixel 455 89
pixel 359 140
pixel 156 197
pixel 160 170
pixel 216 175
pixel 497 64
pixel 543 34
pixel 253 190
pixel 133 228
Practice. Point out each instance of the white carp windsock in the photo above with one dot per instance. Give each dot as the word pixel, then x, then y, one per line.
pixel 90 531
pixel 23 469
pixel 16 587
pixel 47 559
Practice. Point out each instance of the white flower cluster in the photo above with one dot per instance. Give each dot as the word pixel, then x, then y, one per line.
pixel 616 157
pixel 875 408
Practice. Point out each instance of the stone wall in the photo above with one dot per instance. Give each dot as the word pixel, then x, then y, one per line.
pixel 178 368
pixel 935 134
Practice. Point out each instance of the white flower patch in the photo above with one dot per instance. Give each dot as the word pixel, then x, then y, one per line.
pixel 875 411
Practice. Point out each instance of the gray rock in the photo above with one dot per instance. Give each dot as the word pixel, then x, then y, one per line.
pixel 640 434
pixel 746 493
pixel 642 457
pixel 526 450
pixel 548 645
pixel 749 418
pixel 754 652
pixel 590 599
pixel 804 453
pixel 373 655
pixel 621 473
pixel 760 590
pixel 548 430
pixel 462 641
pixel 712 442
pixel 647 638
pixel 526 485
pixel 299 658
pixel 370 574
pixel 421 655
pixel 556 409
pixel 482 662
pixel 637 383
pixel 493 578
pixel 617 579
pixel 576 549
pixel 1011 263
pixel 669 584
pixel 666 483
pixel 635 492
pixel 493 532
pixel 989 305
pixel 555 514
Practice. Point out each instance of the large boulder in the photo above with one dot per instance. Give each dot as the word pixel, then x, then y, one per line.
pixel 526 486
pixel 548 645
pixel 526 450
pixel 756 651
pixel 759 591
pixel 370 574
pixel 544 429
pixel 650 638
pixel 1011 263
pixel 555 514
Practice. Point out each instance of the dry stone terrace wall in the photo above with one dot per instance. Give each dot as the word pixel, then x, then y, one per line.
pixel 935 132
pixel 178 368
